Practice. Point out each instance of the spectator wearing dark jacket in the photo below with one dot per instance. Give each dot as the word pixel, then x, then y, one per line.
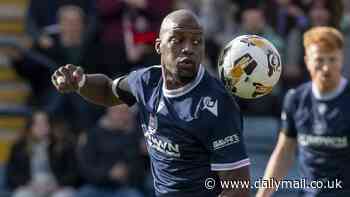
pixel 68 46
pixel 117 57
pixel 108 157
pixel 42 20
pixel 42 161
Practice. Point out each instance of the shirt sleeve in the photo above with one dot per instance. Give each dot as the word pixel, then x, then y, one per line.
pixel 135 83
pixel 287 120
pixel 128 88
pixel 225 141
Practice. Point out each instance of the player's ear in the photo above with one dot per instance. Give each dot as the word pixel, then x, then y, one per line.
pixel 157 45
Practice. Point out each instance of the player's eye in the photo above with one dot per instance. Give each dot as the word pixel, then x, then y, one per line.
pixel 174 40
pixel 319 61
pixel 197 41
pixel 332 60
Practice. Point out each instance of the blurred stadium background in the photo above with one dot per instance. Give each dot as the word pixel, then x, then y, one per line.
pixel 115 37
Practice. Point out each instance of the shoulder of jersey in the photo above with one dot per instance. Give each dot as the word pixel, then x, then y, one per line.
pixel 219 92
pixel 347 89
pixel 298 92
pixel 145 70
pixel 150 74
pixel 215 85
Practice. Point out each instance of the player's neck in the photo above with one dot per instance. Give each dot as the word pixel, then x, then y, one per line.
pixel 172 82
pixel 328 94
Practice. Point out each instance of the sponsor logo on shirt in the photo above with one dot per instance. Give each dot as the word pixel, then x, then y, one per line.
pixel 229 140
pixel 165 147
pixel 323 141
pixel 155 142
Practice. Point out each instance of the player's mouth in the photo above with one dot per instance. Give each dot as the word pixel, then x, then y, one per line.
pixel 186 68
pixel 186 63
pixel 325 77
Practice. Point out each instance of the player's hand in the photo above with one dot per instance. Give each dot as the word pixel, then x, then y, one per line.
pixel 66 78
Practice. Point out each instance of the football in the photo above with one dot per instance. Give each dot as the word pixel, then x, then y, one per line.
pixel 249 66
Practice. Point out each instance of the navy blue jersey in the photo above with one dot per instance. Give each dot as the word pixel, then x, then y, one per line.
pixel 191 132
pixel 322 129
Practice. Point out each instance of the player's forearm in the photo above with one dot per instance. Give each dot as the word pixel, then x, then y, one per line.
pixel 98 89
pixel 240 175
pixel 278 166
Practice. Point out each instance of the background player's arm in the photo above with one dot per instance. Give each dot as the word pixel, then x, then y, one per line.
pixel 280 162
pixel 97 88
pixel 236 175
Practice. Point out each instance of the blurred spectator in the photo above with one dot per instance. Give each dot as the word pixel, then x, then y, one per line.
pixel 219 28
pixel 41 162
pixel 345 27
pixel 254 22
pixel 345 22
pixel 319 16
pixel 41 19
pixel 334 7
pixel 284 15
pixel 67 46
pixel 139 39
pixel 320 13
pixel 114 57
pixel 109 156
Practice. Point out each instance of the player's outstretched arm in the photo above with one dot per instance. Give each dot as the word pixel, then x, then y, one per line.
pixel 96 88
pixel 280 161
pixel 240 175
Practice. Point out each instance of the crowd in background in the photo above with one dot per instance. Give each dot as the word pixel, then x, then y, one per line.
pixel 85 150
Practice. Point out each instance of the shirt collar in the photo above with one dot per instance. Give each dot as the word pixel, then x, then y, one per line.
pixel 330 95
pixel 185 89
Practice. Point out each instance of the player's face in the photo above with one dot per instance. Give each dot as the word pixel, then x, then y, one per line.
pixel 324 67
pixel 182 49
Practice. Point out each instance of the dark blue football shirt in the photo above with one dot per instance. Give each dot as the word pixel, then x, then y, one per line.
pixel 191 132
pixel 321 126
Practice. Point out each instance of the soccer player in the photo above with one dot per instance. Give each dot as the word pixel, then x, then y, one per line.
pixel 316 121
pixel 192 125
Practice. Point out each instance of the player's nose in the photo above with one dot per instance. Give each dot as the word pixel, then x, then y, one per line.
pixel 326 68
pixel 187 48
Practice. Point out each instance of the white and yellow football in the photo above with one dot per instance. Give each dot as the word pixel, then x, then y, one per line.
pixel 249 66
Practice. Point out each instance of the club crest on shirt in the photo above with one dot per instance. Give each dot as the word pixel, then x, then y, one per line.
pixel 319 127
pixel 322 108
pixel 211 105
pixel 207 103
